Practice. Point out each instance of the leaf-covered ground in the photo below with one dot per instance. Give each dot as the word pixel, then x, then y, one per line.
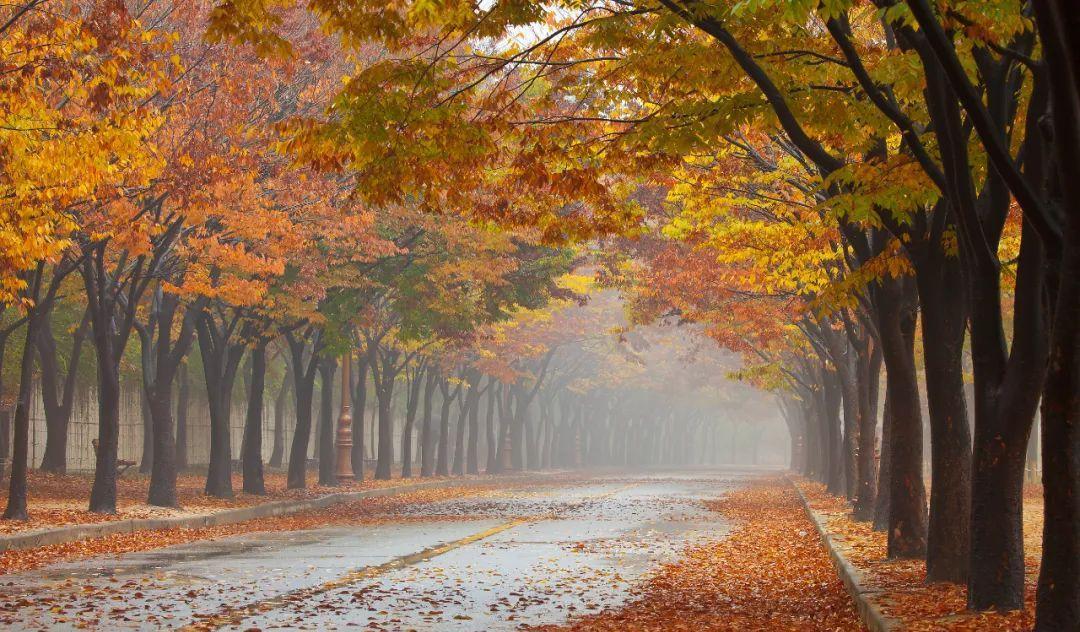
pixel 770 573
pixel 58 500
pixel 918 605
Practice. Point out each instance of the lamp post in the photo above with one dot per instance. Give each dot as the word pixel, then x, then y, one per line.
pixel 344 430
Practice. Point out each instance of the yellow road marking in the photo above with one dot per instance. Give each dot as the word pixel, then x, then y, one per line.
pixel 234 616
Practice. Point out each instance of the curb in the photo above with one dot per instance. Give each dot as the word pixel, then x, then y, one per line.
pixel 869 612
pixel 73 533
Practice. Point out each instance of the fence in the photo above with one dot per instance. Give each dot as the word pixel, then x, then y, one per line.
pixel 83 428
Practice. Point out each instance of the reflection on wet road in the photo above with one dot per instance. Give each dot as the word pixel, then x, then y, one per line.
pixel 487 562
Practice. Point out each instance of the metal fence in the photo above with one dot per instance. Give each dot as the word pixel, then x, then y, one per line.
pixel 83 428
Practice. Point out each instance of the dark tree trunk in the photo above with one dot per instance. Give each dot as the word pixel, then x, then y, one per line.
pixel 907 494
pixel 1005 406
pixel 305 394
pixel 16 504
pixel 385 374
pixel 146 461
pixel 162 490
pixel 57 397
pixel 412 404
pixel 869 372
pixel 442 464
pixel 304 372
pixel 815 447
pixel 327 368
pixel 359 410
pixel 251 455
pixel 458 467
pixel 943 329
pixel 277 453
pixel 472 452
pixel 183 399
pixel 831 400
pixel 221 358
pixel 427 430
pixel 492 442
pixel 881 503
pixel 1058 598
pixel 163 357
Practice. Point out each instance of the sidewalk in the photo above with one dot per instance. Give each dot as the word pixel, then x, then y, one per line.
pixel 892 594
pixel 61 499
pixel 58 531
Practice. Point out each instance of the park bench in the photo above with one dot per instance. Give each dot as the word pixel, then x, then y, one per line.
pixel 122 465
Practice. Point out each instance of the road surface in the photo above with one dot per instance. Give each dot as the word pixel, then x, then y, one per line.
pixel 527 555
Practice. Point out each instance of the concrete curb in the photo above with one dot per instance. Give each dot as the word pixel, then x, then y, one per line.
pixel 869 611
pixel 61 535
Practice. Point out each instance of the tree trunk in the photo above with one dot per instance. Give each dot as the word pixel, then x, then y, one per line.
pixel 304 391
pixel 831 400
pixel 327 368
pixel 472 455
pixel 869 373
pixel 943 329
pixel 881 503
pixel 16 504
pixel 359 408
pixel 277 453
pixel 146 461
pixel 458 461
pixel 907 494
pixel 412 404
pixel 492 442
pixel 1058 601
pixel 1006 400
pixel 442 464
pixel 427 431
pixel 103 491
pixel 1057 605
pixel 384 392
pixel 221 361
pixel 162 358
pixel 251 456
pixel 183 399
pixel 57 397
pixel 162 490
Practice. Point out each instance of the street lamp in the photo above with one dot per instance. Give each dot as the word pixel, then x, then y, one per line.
pixel 344 430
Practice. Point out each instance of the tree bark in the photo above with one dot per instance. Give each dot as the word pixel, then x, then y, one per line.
pixel 881 503
pixel 359 410
pixel 221 356
pixel 494 392
pixel 412 405
pixel 277 452
pixel 427 431
pixel 385 374
pixel 16 504
pixel 58 397
pixel 304 372
pixel 183 399
pixel 907 494
pixel 944 323
pixel 869 373
pixel 251 455
pixel 327 368
pixel 442 463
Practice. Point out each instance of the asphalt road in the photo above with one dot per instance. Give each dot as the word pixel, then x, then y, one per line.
pixel 490 562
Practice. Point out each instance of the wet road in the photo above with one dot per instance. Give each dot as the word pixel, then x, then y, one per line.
pixel 497 561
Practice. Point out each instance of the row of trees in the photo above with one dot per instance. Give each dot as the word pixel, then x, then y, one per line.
pixel 157 230
pixel 822 185
pixel 835 180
